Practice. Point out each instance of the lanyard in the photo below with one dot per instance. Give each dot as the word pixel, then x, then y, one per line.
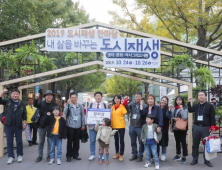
pixel 202 110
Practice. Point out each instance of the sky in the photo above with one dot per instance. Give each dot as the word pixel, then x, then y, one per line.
pixel 98 9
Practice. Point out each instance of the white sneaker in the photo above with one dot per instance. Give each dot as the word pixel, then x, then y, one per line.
pixel 51 161
pixel 163 158
pixel 157 167
pixel 59 162
pixel 147 164
pixel 10 160
pixel 92 157
pixel 19 159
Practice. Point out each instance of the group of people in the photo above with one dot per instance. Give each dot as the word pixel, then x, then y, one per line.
pixel 149 127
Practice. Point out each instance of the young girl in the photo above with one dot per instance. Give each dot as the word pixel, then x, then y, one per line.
pixel 103 136
pixel 56 132
pixel 150 138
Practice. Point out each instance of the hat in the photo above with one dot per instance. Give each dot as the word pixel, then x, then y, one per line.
pixel 48 92
pixel 55 108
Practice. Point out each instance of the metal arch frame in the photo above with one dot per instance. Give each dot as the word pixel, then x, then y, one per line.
pixel 190 85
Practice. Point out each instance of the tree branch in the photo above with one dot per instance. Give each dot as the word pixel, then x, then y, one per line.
pixel 216 46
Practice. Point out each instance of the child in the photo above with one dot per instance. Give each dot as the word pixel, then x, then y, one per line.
pixel 56 132
pixel 150 138
pixel 103 136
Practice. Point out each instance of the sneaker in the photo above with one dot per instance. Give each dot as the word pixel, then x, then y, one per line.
pixel 163 158
pixel 107 162
pixel 177 158
pixel 102 158
pixel 100 162
pixel 51 161
pixel 147 164
pixel 183 160
pixel 92 157
pixel 19 159
pixel 157 166
pixel 59 162
pixel 10 160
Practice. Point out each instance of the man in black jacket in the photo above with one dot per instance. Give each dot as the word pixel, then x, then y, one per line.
pixel 204 121
pixel 44 107
pixel 15 122
pixel 135 128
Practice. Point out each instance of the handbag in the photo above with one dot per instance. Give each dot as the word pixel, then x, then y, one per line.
pixel 213 144
pixel 180 123
pixel 36 117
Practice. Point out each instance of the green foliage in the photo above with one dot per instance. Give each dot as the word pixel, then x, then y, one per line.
pixel 196 90
pixel 206 76
pixel 218 111
pixel 70 57
pixel 123 86
pixel 47 64
pixel 184 59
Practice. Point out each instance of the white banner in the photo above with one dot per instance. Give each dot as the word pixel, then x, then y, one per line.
pixel 94 115
pixel 117 51
pixel 163 91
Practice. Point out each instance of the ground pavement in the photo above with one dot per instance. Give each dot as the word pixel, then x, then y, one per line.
pixel 30 154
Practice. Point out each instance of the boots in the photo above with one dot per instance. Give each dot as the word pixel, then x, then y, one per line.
pixel 116 156
pixel 121 158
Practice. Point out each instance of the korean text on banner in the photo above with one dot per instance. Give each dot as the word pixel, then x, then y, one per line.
pixel 94 115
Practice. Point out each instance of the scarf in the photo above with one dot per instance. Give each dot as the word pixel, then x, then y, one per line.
pixel 176 107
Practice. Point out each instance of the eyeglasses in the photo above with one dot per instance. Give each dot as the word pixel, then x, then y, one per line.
pixel 201 94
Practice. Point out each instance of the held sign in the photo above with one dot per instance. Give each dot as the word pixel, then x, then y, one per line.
pixel 117 51
pixel 94 115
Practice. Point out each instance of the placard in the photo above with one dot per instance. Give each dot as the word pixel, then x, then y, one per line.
pixel 94 115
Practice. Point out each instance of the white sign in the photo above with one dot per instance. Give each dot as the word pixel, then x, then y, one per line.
pixel 163 91
pixel 117 51
pixel 94 115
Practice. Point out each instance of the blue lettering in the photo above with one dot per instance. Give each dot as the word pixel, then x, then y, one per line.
pixel 125 44
pixel 154 55
pixel 131 45
pixel 117 46
pixel 147 46
pixel 156 44
pixel 139 44
pixel 106 45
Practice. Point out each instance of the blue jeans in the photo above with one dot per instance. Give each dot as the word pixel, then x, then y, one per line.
pixel 10 131
pixel 152 150
pixel 55 141
pixel 135 133
pixel 92 138
pixel 164 150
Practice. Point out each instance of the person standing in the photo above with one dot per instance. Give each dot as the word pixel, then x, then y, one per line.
pixel 165 130
pixel 204 121
pixel 179 111
pixel 30 127
pixel 44 107
pixel 135 128
pixel 98 104
pixel 15 122
pixel 214 102
pixel 118 112
pixel 75 120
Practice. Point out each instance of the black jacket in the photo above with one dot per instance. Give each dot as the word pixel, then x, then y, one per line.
pixel 21 113
pixel 157 111
pixel 50 122
pixel 44 108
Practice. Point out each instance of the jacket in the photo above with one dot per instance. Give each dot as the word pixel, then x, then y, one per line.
pixel 144 132
pixel 117 117
pixel 109 132
pixel 174 113
pixel 70 112
pixel 50 122
pixel 30 113
pixel 44 108
pixel 157 111
pixel 21 113
pixel 135 122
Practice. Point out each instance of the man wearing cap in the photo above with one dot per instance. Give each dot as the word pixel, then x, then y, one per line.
pixel 44 107
pixel 15 122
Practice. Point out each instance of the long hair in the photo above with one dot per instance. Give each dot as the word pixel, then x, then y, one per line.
pixel 118 96
pixel 179 97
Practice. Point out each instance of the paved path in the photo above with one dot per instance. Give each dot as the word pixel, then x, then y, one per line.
pixel 30 154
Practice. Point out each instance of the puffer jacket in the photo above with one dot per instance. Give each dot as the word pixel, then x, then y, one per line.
pixel 117 117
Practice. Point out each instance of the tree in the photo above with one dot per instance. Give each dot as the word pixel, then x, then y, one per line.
pixel 27 17
pixel 123 86
pixel 191 21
